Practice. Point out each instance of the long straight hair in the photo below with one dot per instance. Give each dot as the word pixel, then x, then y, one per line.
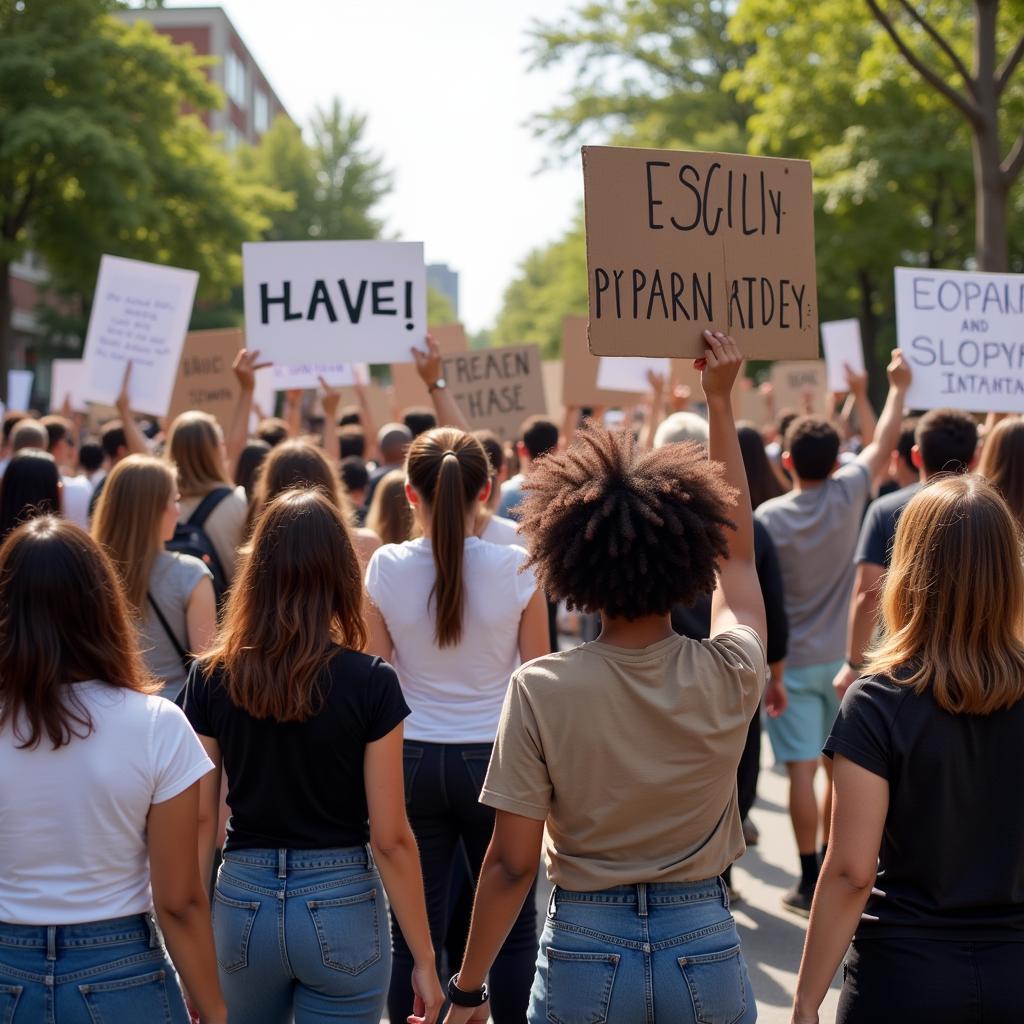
pixel 390 516
pixel 1002 463
pixel 298 596
pixel 448 468
pixel 761 479
pixel 128 519
pixel 30 487
pixel 194 446
pixel 63 619
pixel 953 600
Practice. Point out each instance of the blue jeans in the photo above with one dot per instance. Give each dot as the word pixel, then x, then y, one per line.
pixel 661 953
pixel 301 935
pixel 105 972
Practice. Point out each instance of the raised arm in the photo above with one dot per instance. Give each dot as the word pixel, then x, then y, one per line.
pixel 655 410
pixel 134 439
pixel 245 366
pixel 737 597
pixel 330 400
pixel 876 455
pixel 866 419
pixel 428 366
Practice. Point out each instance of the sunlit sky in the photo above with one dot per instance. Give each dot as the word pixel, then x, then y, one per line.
pixel 446 88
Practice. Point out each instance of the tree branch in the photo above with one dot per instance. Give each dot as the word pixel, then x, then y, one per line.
pixel 963 103
pixel 942 43
pixel 19 218
pixel 1014 162
pixel 1005 73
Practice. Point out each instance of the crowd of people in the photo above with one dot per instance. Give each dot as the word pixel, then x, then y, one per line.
pixel 287 725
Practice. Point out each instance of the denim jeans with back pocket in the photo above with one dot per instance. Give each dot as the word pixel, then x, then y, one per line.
pixel 105 972
pixel 661 953
pixel 301 935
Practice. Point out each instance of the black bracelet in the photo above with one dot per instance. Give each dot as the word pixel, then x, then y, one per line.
pixel 466 999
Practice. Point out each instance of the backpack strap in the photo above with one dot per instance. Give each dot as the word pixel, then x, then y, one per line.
pixel 205 508
pixel 183 655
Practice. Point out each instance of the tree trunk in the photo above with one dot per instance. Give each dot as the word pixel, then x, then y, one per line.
pixel 873 359
pixel 6 326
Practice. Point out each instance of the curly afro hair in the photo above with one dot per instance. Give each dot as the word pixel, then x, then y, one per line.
pixel 626 533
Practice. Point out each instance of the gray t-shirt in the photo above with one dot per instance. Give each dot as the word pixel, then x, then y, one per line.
pixel 815 534
pixel 171 582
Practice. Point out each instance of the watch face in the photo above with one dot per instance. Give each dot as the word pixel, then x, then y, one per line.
pixel 440 383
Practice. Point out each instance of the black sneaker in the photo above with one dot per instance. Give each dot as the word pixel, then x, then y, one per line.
pixel 798 900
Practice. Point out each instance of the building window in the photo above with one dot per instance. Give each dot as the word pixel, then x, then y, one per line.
pixel 260 111
pixel 232 138
pixel 234 79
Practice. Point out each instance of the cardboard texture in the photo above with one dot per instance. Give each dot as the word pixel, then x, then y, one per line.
pixel 963 334
pixel 841 345
pixel 205 379
pixel 748 404
pixel 497 388
pixel 679 242
pixel 409 389
pixel 800 385
pixel 579 384
pixel 552 372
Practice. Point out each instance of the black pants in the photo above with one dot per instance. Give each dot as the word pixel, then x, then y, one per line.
pixel 442 790
pixel 749 768
pixel 931 981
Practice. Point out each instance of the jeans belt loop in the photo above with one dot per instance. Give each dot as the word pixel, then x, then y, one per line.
pixel 282 863
pixel 154 935
pixel 641 899
pixel 551 903
pixel 724 889
pixel 51 942
pixel 371 864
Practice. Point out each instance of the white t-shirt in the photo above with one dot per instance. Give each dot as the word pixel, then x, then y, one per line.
pixel 500 530
pixel 76 497
pixel 455 693
pixel 73 820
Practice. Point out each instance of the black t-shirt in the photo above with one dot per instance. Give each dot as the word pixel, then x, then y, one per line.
pixel 299 785
pixel 951 863
pixel 878 531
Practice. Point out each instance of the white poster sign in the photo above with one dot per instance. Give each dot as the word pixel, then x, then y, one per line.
pixel 840 341
pixel 335 301
pixel 629 373
pixel 264 395
pixel 67 377
pixel 140 313
pixel 963 334
pixel 19 388
pixel 307 375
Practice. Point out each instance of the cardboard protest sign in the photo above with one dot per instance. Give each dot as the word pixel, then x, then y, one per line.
pixel 205 380
pixel 963 334
pixel 378 399
pixel 840 341
pixel 409 389
pixel 680 242
pixel 497 388
pixel 800 385
pixel 579 379
pixel 140 313
pixel 749 404
pixel 307 375
pixel 629 373
pixel 335 301
pixel 19 388
pixel 552 370
pixel 66 377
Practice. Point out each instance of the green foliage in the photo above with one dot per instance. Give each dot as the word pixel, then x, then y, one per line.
pixel 440 310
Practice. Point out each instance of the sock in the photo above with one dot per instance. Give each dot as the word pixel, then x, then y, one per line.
pixel 808 870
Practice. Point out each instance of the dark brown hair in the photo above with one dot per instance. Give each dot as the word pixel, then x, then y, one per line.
pixel 813 445
pixel 30 487
pixel 947 440
pixel 63 619
pixel 761 479
pixel 448 468
pixel 627 533
pixel 1002 463
pixel 299 595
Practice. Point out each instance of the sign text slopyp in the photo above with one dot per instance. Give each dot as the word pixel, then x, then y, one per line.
pixel 352 302
pixel 963 334
pixel 680 242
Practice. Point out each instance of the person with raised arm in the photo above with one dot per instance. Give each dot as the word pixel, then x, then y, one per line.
pixel 626 748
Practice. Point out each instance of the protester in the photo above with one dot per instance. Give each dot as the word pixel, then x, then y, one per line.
pixel 29 433
pixel 902 471
pixel 680 427
pixel 620 756
pixel 273 431
pixel 99 808
pixel 392 442
pixel 31 486
pixel 489 525
pixel 10 421
pixel 456 616
pixel 539 437
pixel 170 595
pixel 1002 463
pixel 90 462
pixel 945 441
pixel 249 461
pixel 390 515
pixel 114 443
pixel 924 868
pixel 761 479
pixel 354 478
pixel 77 490
pixel 351 442
pixel 309 732
pixel 419 421
pixel 814 528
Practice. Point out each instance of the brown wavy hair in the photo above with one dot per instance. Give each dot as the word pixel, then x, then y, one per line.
pixel 299 596
pixel 1002 463
pixel 63 619
pixel 390 516
pixel 953 600
pixel 194 446
pixel 448 468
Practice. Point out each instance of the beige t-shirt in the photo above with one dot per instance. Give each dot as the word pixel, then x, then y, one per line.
pixel 630 757
pixel 225 527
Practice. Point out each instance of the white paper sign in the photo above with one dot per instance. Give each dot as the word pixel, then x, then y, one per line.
pixel 335 301
pixel 629 373
pixel 19 388
pixel 963 334
pixel 66 381
pixel 840 341
pixel 263 395
pixel 140 312
pixel 307 375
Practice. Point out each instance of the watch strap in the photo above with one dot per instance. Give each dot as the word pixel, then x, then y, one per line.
pixel 468 1000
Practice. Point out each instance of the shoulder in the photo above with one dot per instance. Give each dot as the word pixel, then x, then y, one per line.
pixel 853 474
pixel 388 555
pixel 550 673
pixel 739 649
pixel 773 509
pixel 354 669
pixel 504 555
pixel 878 689
pixel 184 567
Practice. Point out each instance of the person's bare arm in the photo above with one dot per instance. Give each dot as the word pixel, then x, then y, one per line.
pixel 330 400
pixel 861 625
pixel 201 616
pixel 134 439
pixel 775 697
pixel 245 366
pixel 655 411
pixel 867 422
pixel 366 420
pixel 379 642
pixel 209 813
pixel 737 597
pixel 534 635
pixel 293 411
pixel 428 366
pixel 179 899
pixel 570 421
pixel 875 457
pixel 860 803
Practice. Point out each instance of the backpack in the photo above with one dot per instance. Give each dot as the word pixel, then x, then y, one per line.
pixel 190 538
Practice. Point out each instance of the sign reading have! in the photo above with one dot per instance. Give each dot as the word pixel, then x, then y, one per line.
pixel 963 333
pixel 334 302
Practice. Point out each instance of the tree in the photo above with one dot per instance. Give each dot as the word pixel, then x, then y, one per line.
pixel 96 155
pixel 980 94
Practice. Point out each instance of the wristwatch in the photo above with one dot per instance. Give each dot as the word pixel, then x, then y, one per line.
pixel 466 999
pixel 439 385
